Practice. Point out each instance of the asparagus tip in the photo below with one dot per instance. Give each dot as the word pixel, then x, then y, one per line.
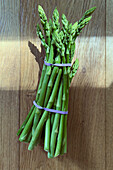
pixel 39 7
pixel 90 11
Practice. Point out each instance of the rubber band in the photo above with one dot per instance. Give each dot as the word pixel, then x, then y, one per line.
pixel 50 110
pixel 58 64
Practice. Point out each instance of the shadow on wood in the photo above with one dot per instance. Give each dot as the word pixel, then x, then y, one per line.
pixel 39 57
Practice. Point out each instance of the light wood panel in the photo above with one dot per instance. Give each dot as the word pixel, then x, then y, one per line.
pixel 86 121
pixel 9 84
pixel 109 85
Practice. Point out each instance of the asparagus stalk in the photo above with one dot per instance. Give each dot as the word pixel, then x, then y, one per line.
pixel 64 143
pixel 50 84
pixel 47 134
pixel 55 127
pixel 45 114
pixel 51 124
pixel 53 114
pixel 60 134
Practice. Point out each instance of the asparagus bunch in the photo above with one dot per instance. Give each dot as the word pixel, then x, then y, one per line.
pixel 53 89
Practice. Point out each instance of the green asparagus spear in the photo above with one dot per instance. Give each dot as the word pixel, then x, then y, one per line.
pixel 55 127
pixel 44 23
pixel 47 133
pixel 60 134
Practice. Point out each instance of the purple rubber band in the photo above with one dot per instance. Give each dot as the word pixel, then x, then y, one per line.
pixel 57 64
pixel 50 110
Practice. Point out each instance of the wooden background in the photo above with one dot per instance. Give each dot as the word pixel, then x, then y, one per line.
pixel 90 120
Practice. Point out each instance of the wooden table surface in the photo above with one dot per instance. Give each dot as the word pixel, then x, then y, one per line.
pixel 90 120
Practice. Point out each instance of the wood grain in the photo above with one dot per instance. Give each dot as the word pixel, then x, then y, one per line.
pixel 9 84
pixel 109 85
pixel 90 127
pixel 86 144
